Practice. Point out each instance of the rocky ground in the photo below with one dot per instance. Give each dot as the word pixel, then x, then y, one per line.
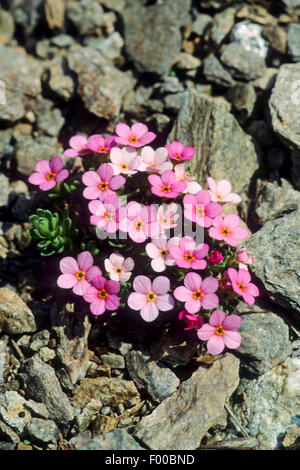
pixel 222 76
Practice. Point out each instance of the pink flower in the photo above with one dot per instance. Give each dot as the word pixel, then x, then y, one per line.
pixel 102 295
pixel 221 332
pixel 244 259
pixel 106 213
pixel 102 182
pixel 124 160
pixel 166 184
pixel 177 151
pixel 228 229
pixel 78 145
pixel 139 221
pixel 240 282
pixel 215 257
pixel 98 144
pixel 155 160
pixel 192 321
pixel 182 175
pixel 48 173
pixel 77 275
pixel 189 255
pixel 199 208
pixel 167 215
pixel 119 268
pixel 134 136
pixel 197 293
pixel 150 297
pixel 159 251
pixel 221 191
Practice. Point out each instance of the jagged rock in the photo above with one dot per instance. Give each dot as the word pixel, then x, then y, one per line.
pixel 243 98
pixel 49 119
pixel 5 190
pixel 219 141
pixel 162 21
pixel 266 406
pixel 265 340
pixel 86 15
pixel 293 42
pixel 158 381
pixel 43 386
pixel 42 431
pixel 222 24
pixel 22 75
pixel 200 24
pixel 275 201
pixel 7 27
pixel 241 63
pixel 8 434
pixel 181 421
pixel 28 152
pixel 285 105
pixel 118 439
pixel 98 81
pixel 15 316
pixel 275 247
pixel 13 412
pixel 214 72
pixel 109 47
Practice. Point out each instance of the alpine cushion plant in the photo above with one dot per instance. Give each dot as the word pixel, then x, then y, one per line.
pixel 137 213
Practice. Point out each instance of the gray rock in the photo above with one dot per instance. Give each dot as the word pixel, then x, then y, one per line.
pixel 171 85
pixel 243 64
pixel 292 5
pixel 98 81
pixel 219 141
pixel 62 40
pixel 5 190
pixel 293 41
pixel 249 36
pixel 7 27
pixel 28 152
pixel 49 119
pixel 276 246
pixel 243 98
pixel 22 87
pixel 265 340
pixel 275 201
pixel 285 105
pixel 13 412
pixel 162 21
pixel 27 14
pixel 267 406
pixel 89 412
pixel 86 15
pixel 186 61
pixel 174 102
pixel 200 24
pixel 39 340
pixel 36 409
pixel 80 439
pixel 291 439
pixel 15 316
pixel 222 24
pixel 266 82
pixel 181 421
pixel 59 80
pixel 43 386
pixel 42 431
pixel 47 354
pixel 116 5
pixel 158 381
pixel 109 47
pixel 4 358
pixel 8 434
pixel 115 361
pixel 174 347
pixel 72 344
pixel 118 439
pixel 214 72
pixel 55 13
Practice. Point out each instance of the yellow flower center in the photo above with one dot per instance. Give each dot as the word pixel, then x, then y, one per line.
pixel 166 189
pixel 103 186
pixel 118 270
pixel 179 157
pixel 189 257
pixel 220 331
pixel 165 220
pixel 241 286
pixel 150 296
pixel 133 139
pixel 103 149
pixel 102 294
pixel 139 224
pixel 200 210
pixel 80 275
pixel 50 176
pixel 198 294
pixel 85 150
pixel 124 166
pixel 219 196
pixel 225 231
pixel 163 253
pixel 108 216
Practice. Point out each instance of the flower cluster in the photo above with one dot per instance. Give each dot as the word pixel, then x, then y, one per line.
pixel 146 203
